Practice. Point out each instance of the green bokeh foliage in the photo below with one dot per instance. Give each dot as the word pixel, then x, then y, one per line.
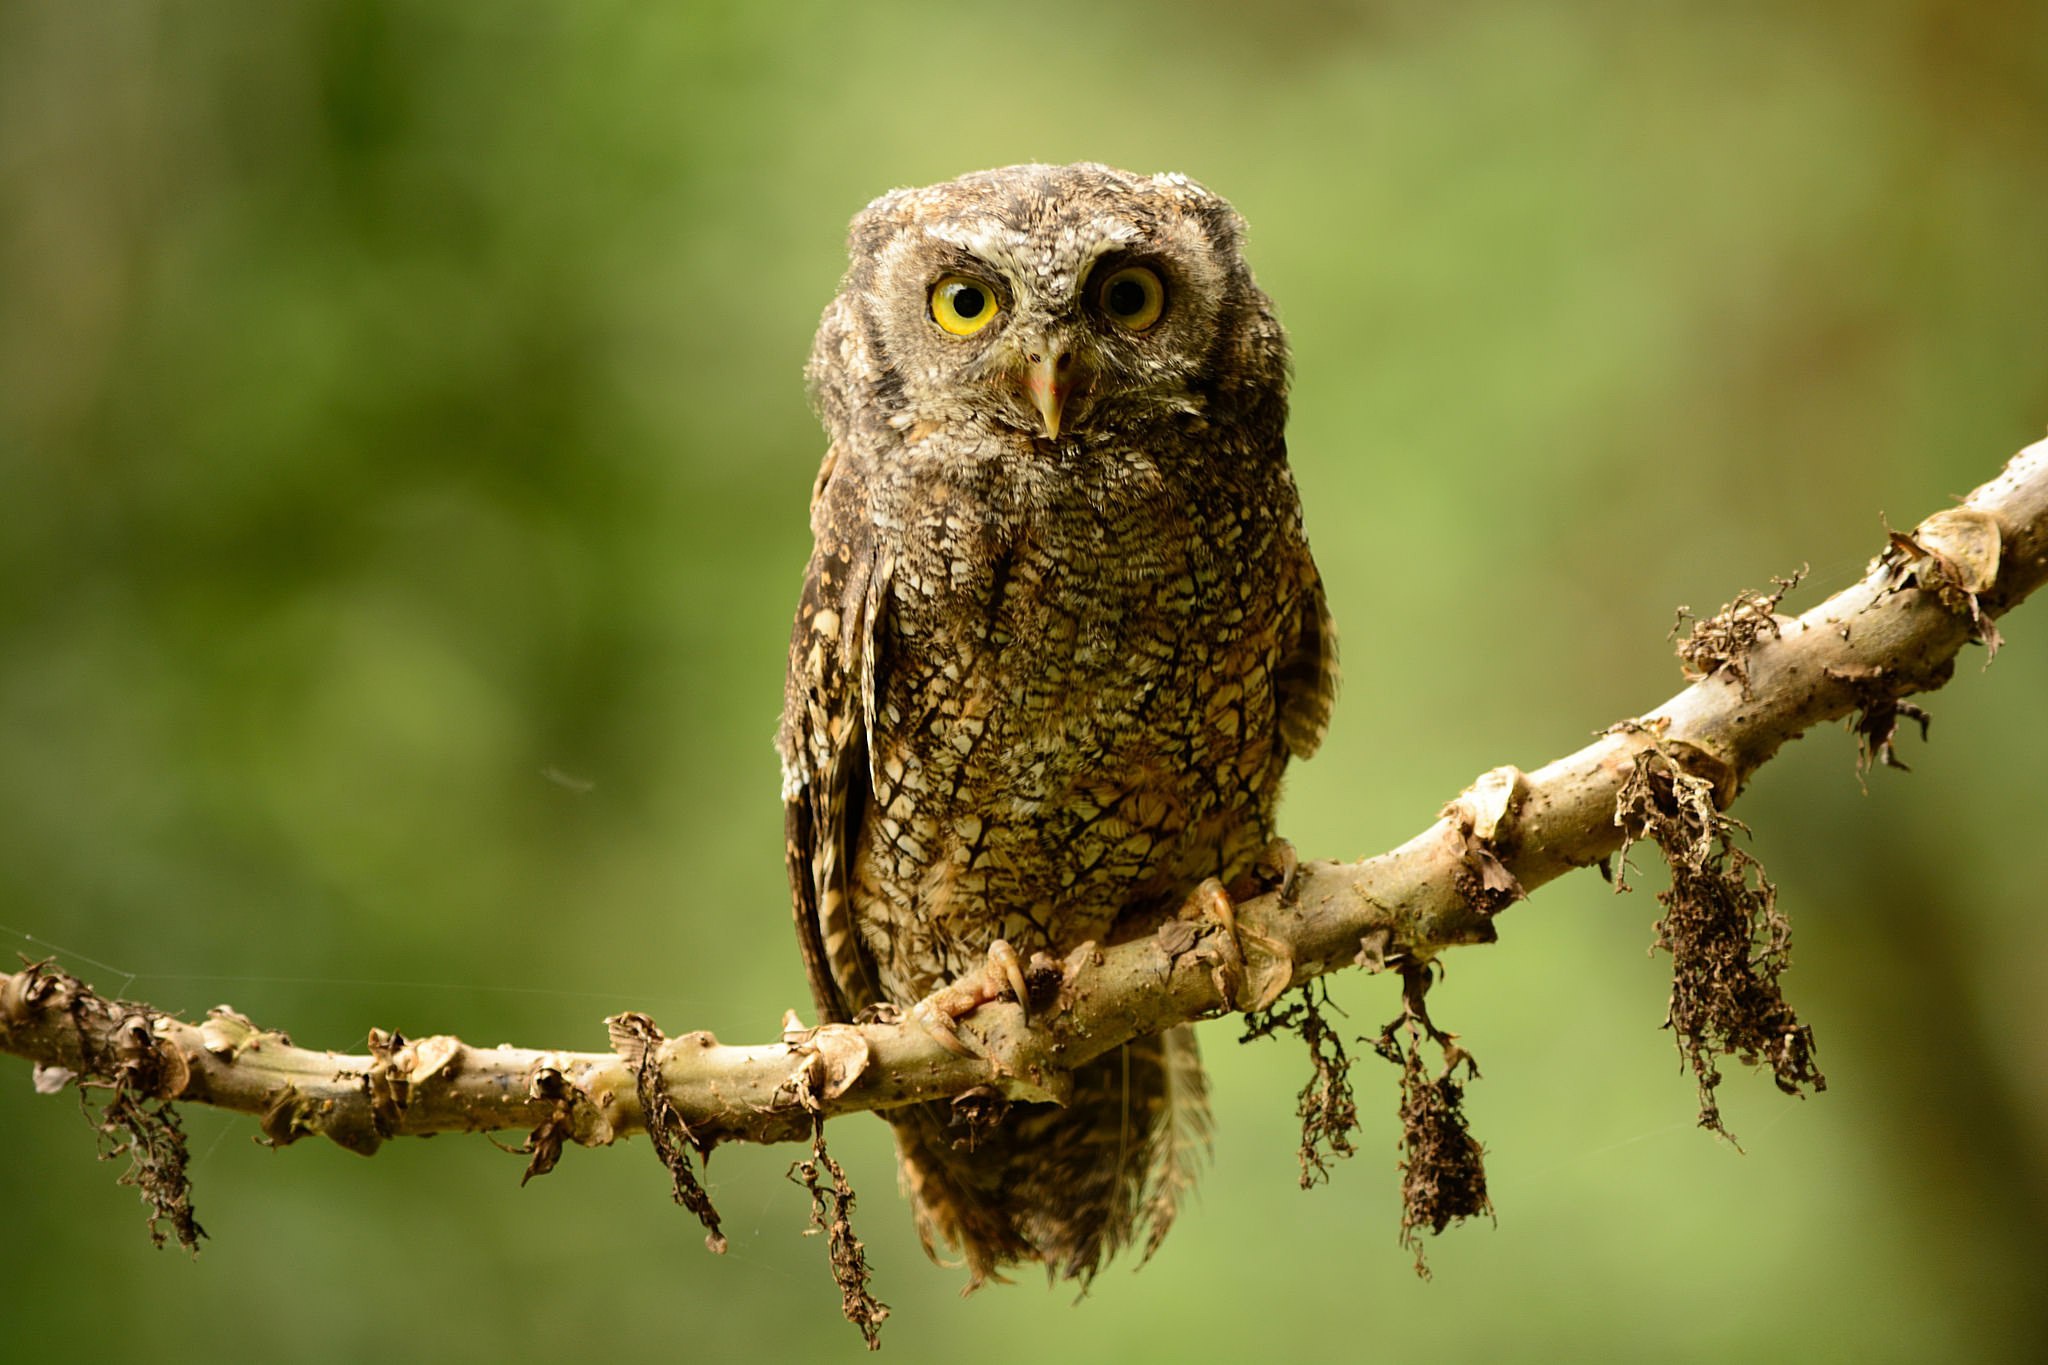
pixel 403 461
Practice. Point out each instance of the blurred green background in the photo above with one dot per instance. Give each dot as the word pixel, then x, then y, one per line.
pixel 403 463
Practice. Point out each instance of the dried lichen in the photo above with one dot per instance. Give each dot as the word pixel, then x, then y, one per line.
pixel 153 1140
pixel 832 1214
pixel 1328 1113
pixel 1443 1167
pixel 636 1039
pixel 134 1073
pixel 1443 1174
pixel 828 1059
pixel 1876 719
pixel 1729 942
pixel 1877 725
pixel 125 1073
pixel 1725 639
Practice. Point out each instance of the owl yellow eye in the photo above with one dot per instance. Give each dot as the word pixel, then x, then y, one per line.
pixel 1133 296
pixel 963 305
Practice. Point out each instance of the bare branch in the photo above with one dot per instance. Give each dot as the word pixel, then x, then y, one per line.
pixel 1894 633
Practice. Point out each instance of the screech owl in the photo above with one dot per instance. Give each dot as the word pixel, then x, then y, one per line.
pixel 1058 638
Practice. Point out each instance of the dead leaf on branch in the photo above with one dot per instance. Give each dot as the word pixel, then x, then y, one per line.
pixel 575 1117
pixel 829 1059
pixel 48 1080
pixel 1954 555
pixel 1482 817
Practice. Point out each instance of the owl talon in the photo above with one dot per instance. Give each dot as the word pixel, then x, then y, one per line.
pixel 1006 971
pixel 938 1012
pixel 1210 901
pixel 1234 982
pixel 935 1014
pixel 1276 865
pixel 1271 873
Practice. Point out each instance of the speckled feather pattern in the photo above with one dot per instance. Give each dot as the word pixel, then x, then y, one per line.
pixel 1039 688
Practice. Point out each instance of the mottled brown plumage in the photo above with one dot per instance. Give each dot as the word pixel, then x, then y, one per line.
pixel 1058 638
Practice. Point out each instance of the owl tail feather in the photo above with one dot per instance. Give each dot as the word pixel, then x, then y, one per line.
pixel 1066 1186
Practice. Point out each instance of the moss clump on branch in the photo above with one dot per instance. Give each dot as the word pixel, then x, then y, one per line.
pixel 638 1042
pixel 1729 942
pixel 1327 1111
pixel 832 1214
pixel 122 1059
pixel 1725 639
pixel 1443 1167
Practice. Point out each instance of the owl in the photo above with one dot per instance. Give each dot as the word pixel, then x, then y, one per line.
pixel 1058 638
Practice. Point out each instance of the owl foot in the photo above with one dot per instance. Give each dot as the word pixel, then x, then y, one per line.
pixel 1272 966
pixel 1272 871
pixel 1002 975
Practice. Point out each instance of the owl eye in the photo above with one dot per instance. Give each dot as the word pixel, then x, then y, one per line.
pixel 963 305
pixel 1133 296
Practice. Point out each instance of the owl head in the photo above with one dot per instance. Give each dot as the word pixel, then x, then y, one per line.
pixel 1060 303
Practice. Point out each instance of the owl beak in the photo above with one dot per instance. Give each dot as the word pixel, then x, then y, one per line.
pixel 1050 376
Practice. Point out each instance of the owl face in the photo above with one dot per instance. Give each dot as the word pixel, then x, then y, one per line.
pixel 1056 302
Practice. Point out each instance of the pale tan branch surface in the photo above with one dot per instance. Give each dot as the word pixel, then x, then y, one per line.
pixel 1894 633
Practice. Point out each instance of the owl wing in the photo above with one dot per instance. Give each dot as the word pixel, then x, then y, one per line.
pixel 827 714
pixel 1307 677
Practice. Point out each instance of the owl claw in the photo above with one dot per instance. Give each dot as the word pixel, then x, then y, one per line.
pixel 1272 872
pixel 1276 866
pixel 1210 901
pixel 1003 959
pixel 935 1014
pixel 1240 987
pixel 938 1012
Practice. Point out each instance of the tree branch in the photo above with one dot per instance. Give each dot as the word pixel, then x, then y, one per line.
pixel 1762 680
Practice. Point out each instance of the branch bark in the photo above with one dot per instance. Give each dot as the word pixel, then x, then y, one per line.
pixel 1764 679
